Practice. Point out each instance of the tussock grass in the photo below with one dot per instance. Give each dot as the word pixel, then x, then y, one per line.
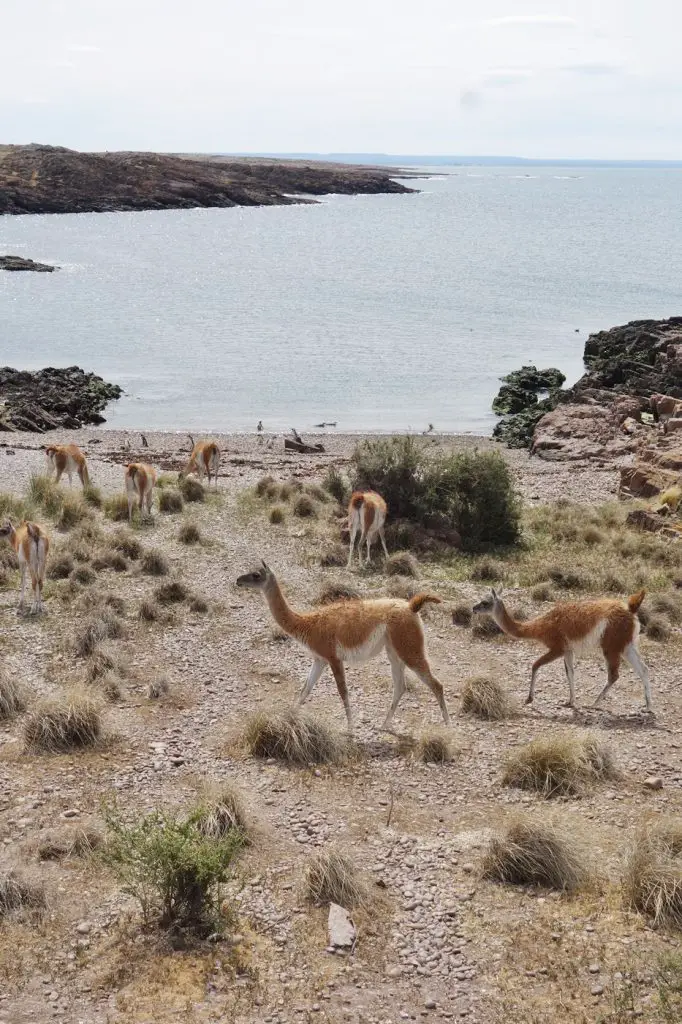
pixel 293 738
pixel 488 571
pixel 150 611
pixel 191 489
pixel 12 697
pixel 337 486
pixel 173 592
pixel 69 842
pixel 401 563
pixel 485 627
pixel 171 501
pixel 462 614
pixel 92 496
pixel 434 747
pixel 331 877
pixel 14 508
pixel 221 812
pixel 63 723
pixel 668 604
pixel 305 507
pixel 528 853
pixel 43 492
pixel 402 587
pixel 73 511
pixel 155 563
pixel 658 628
pixel 198 604
pixel 127 543
pixel 158 689
pixel 335 591
pixel 17 893
pixel 277 515
pixel 542 592
pixel 566 764
pixel 111 688
pixel 334 555
pixel 110 559
pixel 263 485
pixel 116 508
pixel 105 625
pixel 672 497
pixel 567 579
pixel 60 567
pixel 317 493
pixel 189 533
pixel 99 664
pixel 653 874
pixel 485 698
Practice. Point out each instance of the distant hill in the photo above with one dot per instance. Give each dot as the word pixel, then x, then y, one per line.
pixel 431 160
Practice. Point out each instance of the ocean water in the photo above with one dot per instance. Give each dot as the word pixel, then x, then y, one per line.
pixel 377 312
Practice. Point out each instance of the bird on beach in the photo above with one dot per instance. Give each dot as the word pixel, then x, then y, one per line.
pixel 145 442
pixel 259 428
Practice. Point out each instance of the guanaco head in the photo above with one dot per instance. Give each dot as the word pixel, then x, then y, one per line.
pixel 259 579
pixel 489 605
pixel 7 530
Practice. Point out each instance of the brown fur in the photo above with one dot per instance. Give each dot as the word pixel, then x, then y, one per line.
pixel 140 480
pixel 204 461
pixel 31 544
pixel 366 512
pixel 67 458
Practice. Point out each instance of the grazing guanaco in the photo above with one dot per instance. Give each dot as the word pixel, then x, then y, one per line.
pixel 139 480
pixel 31 545
pixel 367 515
pixel 352 632
pixel 69 459
pixel 575 628
pixel 204 461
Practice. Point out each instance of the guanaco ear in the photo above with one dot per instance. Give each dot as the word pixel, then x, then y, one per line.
pixel 267 568
pixel 494 593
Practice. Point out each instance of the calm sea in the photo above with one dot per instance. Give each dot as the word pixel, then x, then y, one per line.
pixel 378 312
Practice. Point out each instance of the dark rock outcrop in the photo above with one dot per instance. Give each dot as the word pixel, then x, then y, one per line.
pixel 22 263
pixel 517 400
pixel 51 179
pixel 641 358
pixel 52 398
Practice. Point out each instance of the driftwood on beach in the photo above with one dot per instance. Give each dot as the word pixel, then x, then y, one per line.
pixel 301 447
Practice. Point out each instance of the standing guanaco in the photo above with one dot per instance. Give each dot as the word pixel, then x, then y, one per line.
pixel 31 544
pixel 139 481
pixel 367 515
pixel 69 459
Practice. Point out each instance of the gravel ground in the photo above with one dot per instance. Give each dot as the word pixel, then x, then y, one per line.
pixel 440 943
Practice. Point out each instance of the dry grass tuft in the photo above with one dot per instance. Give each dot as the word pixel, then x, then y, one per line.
pixel 104 626
pixel 189 533
pixel 566 764
pixel 99 665
pixel 73 511
pixel 150 611
pixel 402 587
pixel 542 592
pixel 74 841
pixel 127 543
pixel 331 877
pixel 155 563
pixel 653 874
pixel 293 739
pixel 672 497
pixel 110 559
pixel 116 508
pixel 305 507
pixel 332 592
pixel 462 614
pixel 171 501
pixel 488 571
pixel 532 854
pixel 263 485
pixel 63 723
pixel 198 604
pixel 60 567
pixel 401 563
pixel 277 515
pixel 158 688
pixel 172 592
pixel 486 698
pixel 658 628
pixel 317 492
pixel 44 492
pixel 667 604
pixel 222 812
pixel 12 697
pixel 434 747
pixel 485 627
pixel 19 893
pixel 334 555
pixel 191 489
pixel 567 579
pixel 92 495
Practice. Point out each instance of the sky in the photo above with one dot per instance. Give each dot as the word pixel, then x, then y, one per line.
pixel 595 79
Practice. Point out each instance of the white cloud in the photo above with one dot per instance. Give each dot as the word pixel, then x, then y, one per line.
pixel 83 48
pixel 506 76
pixel 550 20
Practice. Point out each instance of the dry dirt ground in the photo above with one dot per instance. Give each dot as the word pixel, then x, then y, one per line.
pixel 440 942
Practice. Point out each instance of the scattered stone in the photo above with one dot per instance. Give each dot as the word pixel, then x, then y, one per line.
pixel 654 782
pixel 342 933
pixel 84 928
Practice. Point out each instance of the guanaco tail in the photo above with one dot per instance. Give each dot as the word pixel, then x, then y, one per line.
pixel 31 544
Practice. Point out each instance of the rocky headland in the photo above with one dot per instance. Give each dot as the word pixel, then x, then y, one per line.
pixel 23 263
pixel 52 398
pixel 52 179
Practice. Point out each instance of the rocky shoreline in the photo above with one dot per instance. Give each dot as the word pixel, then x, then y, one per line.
pixel 52 179
pixel 15 263
pixel 52 398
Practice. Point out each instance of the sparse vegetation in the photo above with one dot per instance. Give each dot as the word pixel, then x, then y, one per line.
pixel 104 626
pixel 73 511
pixel 293 738
pixel 333 591
pixel 189 533
pixel 84 574
pixel 334 555
pixel 434 747
pixel 63 723
pixel 191 489
pixel 69 842
pixel 110 559
pixel 317 493
pixel 653 875
pixel 60 567
pixel 485 627
pixel 19 893
pixel 263 485
pixel 528 853
pixel 116 508
pixel 92 495
pixel 171 501
pixel 173 592
pixel 484 697
pixel 337 486
pixel 277 515
pixel 155 563
pixel 198 604
pixel 221 813
pixel 331 877
pixel 565 764
pixel 12 697
pixel 401 563
pixel 305 507
pixel 127 543
pixel 462 613
pixel 150 611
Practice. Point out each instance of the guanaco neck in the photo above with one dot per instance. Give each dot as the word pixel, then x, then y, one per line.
pixel 287 619
pixel 505 621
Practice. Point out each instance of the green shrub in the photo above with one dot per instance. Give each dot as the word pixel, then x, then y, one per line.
pixel 171 866
pixel 337 486
pixel 472 491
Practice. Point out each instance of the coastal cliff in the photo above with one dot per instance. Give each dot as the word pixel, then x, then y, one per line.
pixel 51 179
pixel 52 398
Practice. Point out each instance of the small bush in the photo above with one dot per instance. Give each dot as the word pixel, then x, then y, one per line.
pixel 337 486
pixel 127 543
pixel 334 555
pixel 221 813
pixel 60 567
pixel 110 559
pixel 486 570
pixel 198 604
pixel 149 611
pixel 116 508
pixel 462 614
pixel 158 688
pixel 332 592
pixel 669 605
pixel 542 592
pixel 63 723
pixel 99 665
pixel 401 587
pixel 104 626
pixel 531 854
pixel 171 501
pixel 658 629
pixel 92 496
pixel 485 627
pixel 434 748
pixel 277 515
pixel 317 493
pixel 486 698
pixel 84 574
pixel 293 738
pixel 331 877
pixel 155 563
pixel 284 494
pixel 305 507
pixel 73 511
pixel 110 685
pixel 12 697
pixel 653 874
pixel 191 489
pixel 562 765
pixel 263 484
pixel 44 493
pixel 592 536
pixel 171 867
pixel 19 893
pixel 401 563
pixel 189 533
pixel 569 580
pixel 613 584
pixel 172 592
pixel 71 841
